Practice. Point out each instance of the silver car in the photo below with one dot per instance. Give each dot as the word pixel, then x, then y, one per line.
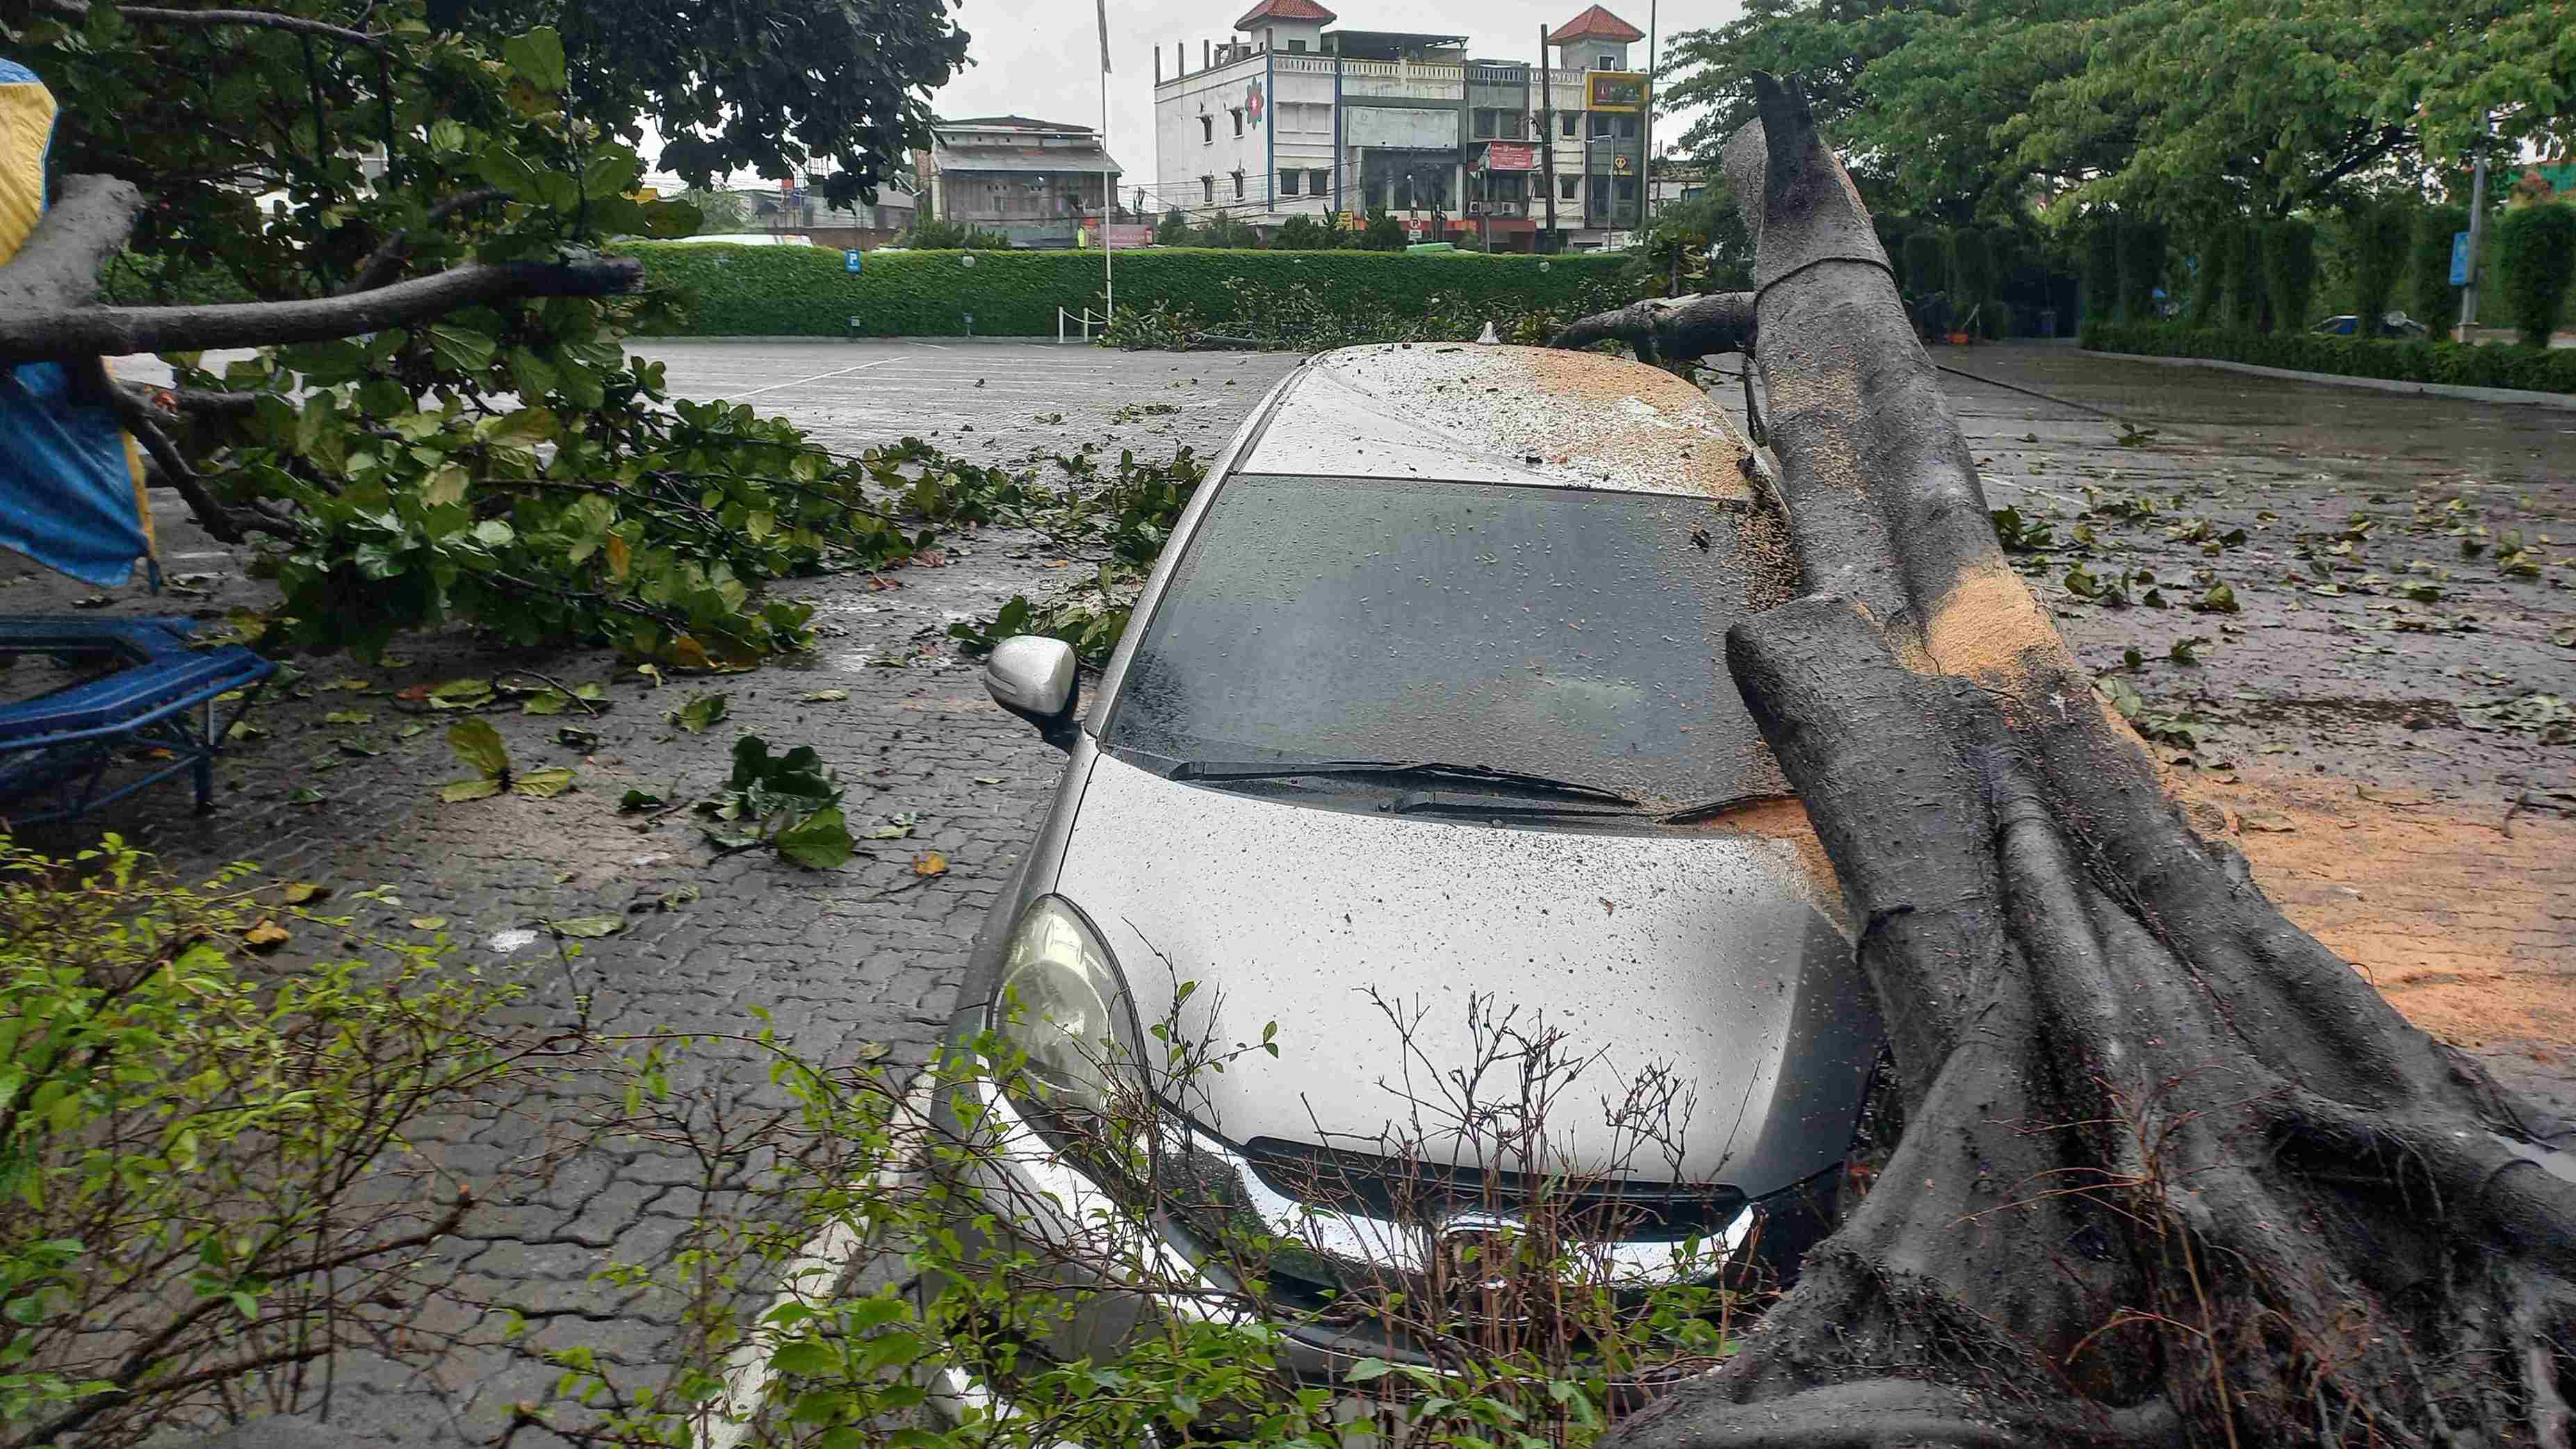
pixel 1420 752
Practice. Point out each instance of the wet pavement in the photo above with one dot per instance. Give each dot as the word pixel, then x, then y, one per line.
pixel 2337 711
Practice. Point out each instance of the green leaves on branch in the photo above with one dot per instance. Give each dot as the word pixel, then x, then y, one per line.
pixel 790 802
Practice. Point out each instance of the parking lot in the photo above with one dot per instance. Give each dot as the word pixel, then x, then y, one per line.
pixel 2452 915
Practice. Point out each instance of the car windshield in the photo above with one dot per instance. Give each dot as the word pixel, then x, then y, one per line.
pixel 1572 634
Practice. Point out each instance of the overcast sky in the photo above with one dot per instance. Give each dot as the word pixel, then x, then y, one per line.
pixel 1039 59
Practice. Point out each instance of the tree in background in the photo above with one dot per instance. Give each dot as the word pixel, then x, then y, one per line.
pixel 2429 290
pixel 1927 262
pixel 2102 266
pixel 765 86
pixel 2249 304
pixel 1224 231
pixel 2209 275
pixel 720 213
pixel 1173 230
pixel 2535 263
pixel 1677 251
pixel 934 234
pixel 2381 235
pixel 1382 234
pixel 2142 268
pixel 1974 281
pixel 1303 233
pixel 2289 270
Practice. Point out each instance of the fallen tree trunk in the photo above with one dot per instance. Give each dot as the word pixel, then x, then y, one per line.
pixel 2172 1172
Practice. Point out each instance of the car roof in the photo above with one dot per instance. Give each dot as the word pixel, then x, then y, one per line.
pixel 1477 413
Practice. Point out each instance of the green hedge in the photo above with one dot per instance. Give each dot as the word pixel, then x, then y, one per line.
pixel 804 291
pixel 2537 369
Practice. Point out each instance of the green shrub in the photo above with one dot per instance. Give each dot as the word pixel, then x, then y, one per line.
pixel 2142 268
pixel 1173 230
pixel 2290 270
pixel 1927 262
pixel 190 1137
pixel 803 291
pixel 2535 262
pixel 2534 369
pixel 1382 234
pixel 2249 305
pixel 2435 301
pixel 2102 268
pixel 2380 236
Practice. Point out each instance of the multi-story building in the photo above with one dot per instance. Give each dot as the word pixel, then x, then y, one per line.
pixel 1041 183
pixel 1295 115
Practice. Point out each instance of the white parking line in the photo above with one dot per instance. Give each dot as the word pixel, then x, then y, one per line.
pixel 818 377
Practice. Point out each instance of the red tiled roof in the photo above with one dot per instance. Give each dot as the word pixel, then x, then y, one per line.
pixel 1596 24
pixel 1306 11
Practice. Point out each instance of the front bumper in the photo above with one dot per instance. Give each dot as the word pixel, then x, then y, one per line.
pixel 1119 1271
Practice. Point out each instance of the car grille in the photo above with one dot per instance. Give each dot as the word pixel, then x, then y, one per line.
pixel 1406 1190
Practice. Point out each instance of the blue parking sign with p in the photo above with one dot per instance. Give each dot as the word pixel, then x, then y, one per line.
pixel 2459 259
pixel 850 259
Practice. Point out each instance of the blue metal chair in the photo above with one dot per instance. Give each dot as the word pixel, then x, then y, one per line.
pixel 56 749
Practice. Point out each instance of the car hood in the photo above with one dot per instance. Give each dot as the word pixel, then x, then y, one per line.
pixel 1396 952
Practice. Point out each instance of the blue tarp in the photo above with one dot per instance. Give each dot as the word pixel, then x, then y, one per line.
pixel 70 492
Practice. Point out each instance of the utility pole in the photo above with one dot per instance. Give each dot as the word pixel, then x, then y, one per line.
pixel 2477 237
pixel 1108 174
pixel 1547 138
pixel 1646 129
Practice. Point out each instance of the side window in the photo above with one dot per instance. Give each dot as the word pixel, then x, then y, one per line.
pixel 1207 189
pixel 1237 113
pixel 1627 128
pixel 1569 120
pixel 1565 187
pixel 1287 183
pixel 1296 47
pixel 1238 186
pixel 1601 126
pixel 1319 183
pixel 1609 61
pixel 1207 130
pixel 1484 123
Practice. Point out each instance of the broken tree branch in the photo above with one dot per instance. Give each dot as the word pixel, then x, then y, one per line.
pixel 208 19
pixel 1670 331
pixel 386 260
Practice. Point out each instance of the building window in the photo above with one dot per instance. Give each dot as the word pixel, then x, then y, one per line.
pixel 1319 183
pixel 1296 47
pixel 1237 113
pixel 1207 190
pixel 1568 120
pixel 1484 123
pixel 1238 186
pixel 1627 188
pixel 1609 61
pixel 1600 126
pixel 1565 187
pixel 1287 183
pixel 1207 130
pixel 1627 128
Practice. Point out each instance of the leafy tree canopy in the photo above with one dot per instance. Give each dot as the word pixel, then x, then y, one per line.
pixel 2185 107
pixel 758 85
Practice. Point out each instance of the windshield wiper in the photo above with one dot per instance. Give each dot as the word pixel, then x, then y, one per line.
pixel 1275 770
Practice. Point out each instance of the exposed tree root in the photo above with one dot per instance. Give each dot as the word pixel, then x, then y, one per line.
pixel 2172 1172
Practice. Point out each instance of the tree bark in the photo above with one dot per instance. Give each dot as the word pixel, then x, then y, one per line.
pixel 1670 329
pixel 2172 1173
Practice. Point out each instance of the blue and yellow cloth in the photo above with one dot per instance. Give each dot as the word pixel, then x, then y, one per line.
pixel 71 482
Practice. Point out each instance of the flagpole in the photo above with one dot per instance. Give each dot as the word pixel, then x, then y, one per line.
pixel 1108 179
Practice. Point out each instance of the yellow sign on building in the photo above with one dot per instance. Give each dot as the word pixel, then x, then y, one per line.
pixel 1614 90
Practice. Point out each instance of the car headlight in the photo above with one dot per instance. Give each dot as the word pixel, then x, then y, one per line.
pixel 1059 1004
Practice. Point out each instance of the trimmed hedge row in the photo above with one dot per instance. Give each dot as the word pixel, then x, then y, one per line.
pixel 2536 369
pixel 805 291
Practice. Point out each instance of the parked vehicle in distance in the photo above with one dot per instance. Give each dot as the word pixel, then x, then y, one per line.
pixel 1420 742
pixel 2393 324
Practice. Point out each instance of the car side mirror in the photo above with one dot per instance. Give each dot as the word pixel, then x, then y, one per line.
pixel 1033 677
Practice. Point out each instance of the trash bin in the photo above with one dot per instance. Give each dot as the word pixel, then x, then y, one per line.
pixel 2047 321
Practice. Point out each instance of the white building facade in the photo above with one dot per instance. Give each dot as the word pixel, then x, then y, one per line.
pixel 1297 115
